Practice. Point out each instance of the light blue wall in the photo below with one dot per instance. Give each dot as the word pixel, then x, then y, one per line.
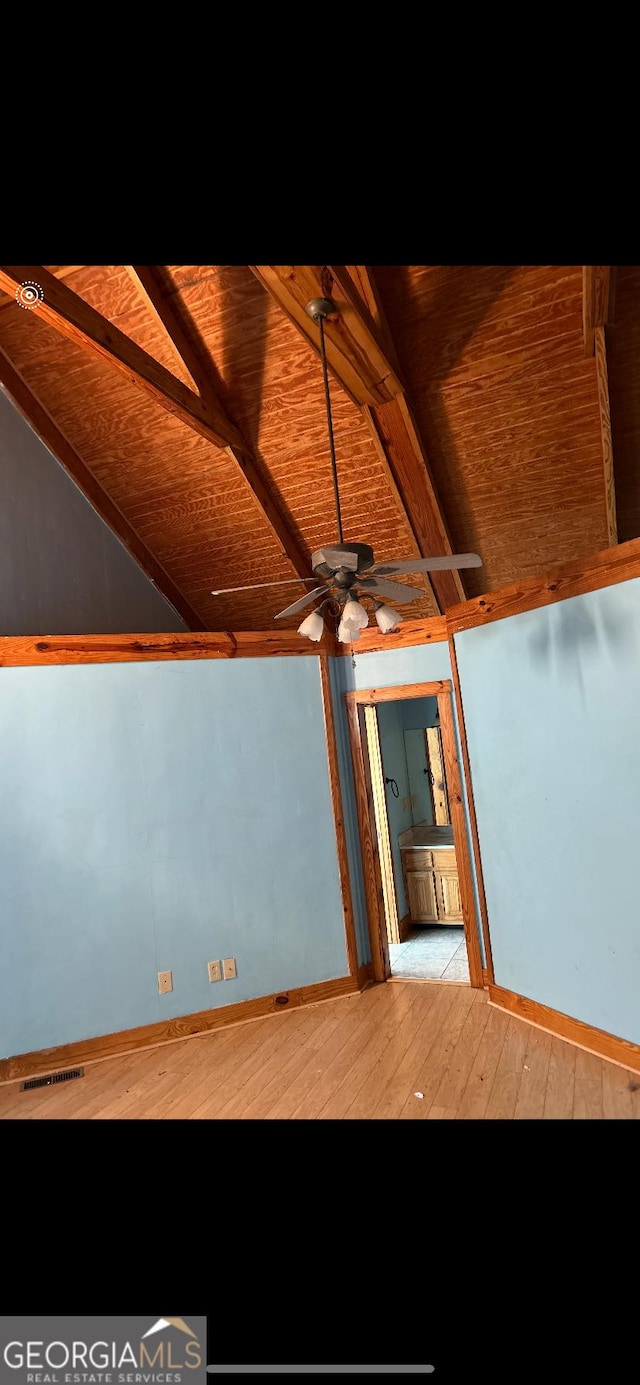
pixel 418 771
pixel 153 817
pixel 394 763
pixel 551 702
pixel 419 712
pixel 62 571
pixel 423 663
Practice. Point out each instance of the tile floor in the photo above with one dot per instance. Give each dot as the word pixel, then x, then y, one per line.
pixel 431 953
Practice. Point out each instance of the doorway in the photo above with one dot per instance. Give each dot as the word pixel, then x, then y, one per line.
pixel 421 895
pixel 418 880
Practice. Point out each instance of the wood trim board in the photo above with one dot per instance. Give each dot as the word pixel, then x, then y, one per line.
pixel 114 649
pixel 598 1041
pixel 368 846
pixel 473 821
pixel 338 817
pixel 603 569
pixel 170 1031
pixel 430 630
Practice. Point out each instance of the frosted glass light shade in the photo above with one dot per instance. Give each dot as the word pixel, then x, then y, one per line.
pixel 355 614
pixel 312 627
pixel 387 618
pixel 348 633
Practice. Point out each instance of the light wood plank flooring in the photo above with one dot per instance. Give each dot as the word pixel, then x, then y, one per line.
pixel 397 1052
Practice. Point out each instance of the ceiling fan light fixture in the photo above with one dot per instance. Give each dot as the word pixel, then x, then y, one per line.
pixel 387 618
pixel 312 627
pixel 355 614
pixel 348 633
pixel 348 570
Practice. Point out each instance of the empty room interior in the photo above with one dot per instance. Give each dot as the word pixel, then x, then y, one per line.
pixel 319 678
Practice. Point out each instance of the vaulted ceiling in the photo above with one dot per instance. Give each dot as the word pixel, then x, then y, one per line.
pixel 483 408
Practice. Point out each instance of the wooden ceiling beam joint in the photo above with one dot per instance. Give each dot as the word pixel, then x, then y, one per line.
pixel 355 353
pixel 64 310
pixel 596 283
pixel 361 355
pixel 148 280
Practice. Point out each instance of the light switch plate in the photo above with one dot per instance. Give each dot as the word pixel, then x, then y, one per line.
pixel 229 968
pixel 214 970
pixel 165 982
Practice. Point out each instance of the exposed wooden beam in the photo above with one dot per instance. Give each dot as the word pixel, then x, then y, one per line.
pixel 22 650
pixel 64 310
pixel 393 424
pixel 150 280
pixel 595 302
pixel 597 310
pixel 396 426
pixel 363 281
pixel 73 318
pixel 355 351
pixel 49 433
pixel 61 271
pixel 381 448
pixel 361 355
pixel 605 433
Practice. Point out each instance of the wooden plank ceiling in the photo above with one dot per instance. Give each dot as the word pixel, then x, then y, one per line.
pixel 466 413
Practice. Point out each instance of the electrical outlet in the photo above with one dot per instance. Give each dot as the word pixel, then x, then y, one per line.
pixel 406 804
pixel 165 982
pixel 229 968
pixel 215 974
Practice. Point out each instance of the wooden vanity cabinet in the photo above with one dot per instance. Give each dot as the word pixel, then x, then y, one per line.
pixel 431 885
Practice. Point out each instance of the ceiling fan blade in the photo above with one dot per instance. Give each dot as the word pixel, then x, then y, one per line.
pixel 395 591
pixel 304 601
pixel 253 587
pixel 449 560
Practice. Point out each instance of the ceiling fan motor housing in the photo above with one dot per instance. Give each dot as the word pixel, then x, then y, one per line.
pixel 342 562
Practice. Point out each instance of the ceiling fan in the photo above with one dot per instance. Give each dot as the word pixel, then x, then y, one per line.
pixel 347 571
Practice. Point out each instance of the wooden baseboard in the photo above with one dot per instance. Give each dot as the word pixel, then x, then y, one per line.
pixel 404 927
pixel 365 976
pixel 598 1041
pixel 170 1031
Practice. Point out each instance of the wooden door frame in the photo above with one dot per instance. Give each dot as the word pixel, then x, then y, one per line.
pixel 383 833
pixel 355 703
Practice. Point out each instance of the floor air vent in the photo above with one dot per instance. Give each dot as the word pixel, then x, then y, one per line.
pixel 52 1079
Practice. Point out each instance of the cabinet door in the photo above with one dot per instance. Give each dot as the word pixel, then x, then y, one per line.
pixel 448 896
pixel 422 896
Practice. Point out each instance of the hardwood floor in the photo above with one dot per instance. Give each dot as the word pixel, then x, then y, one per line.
pixel 395 1052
